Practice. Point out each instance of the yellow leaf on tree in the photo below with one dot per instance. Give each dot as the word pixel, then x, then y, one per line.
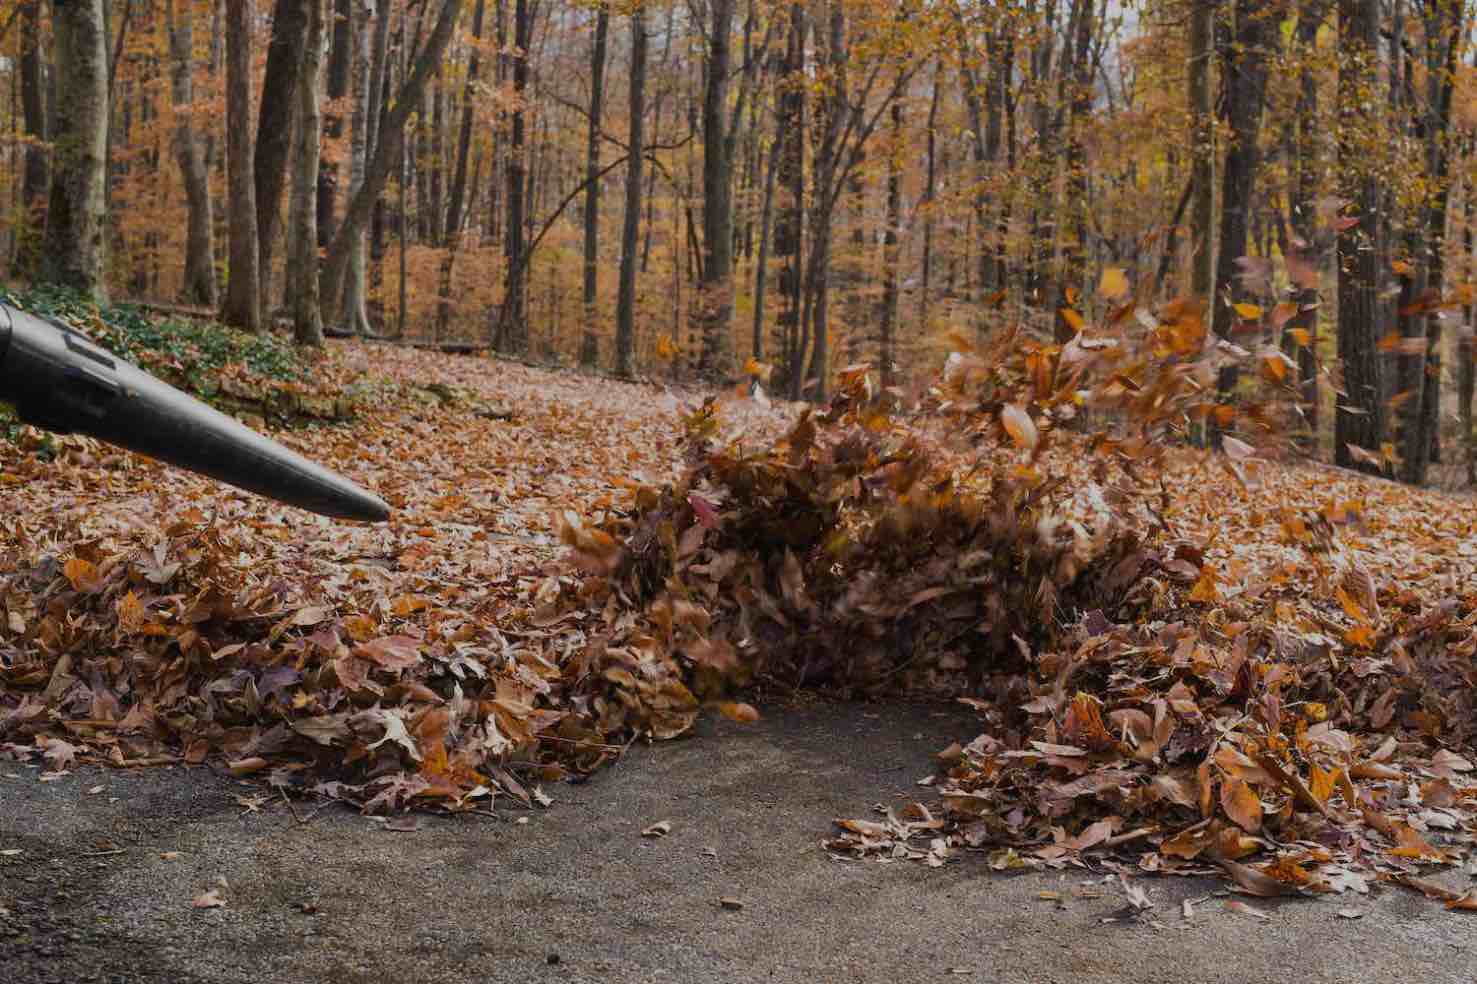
pixel 1073 319
pixel 1300 336
pixel 1251 312
pixel 1114 284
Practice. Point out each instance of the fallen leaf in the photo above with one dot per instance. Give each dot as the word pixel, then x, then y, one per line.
pixel 209 900
pixel 1236 905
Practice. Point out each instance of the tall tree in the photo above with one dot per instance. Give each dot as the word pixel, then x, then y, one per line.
pixel 36 176
pixel 302 268
pixel 714 298
pixel 1202 146
pixel 1310 178
pixel 73 251
pixel 1246 82
pixel 1442 28
pixel 887 355
pixel 1359 417
pixel 272 156
pixel 354 310
pixel 199 283
pixel 455 210
pixel 625 307
pixel 590 341
pixel 340 73
pixel 513 318
pixel 391 135
pixel 789 223
pixel 242 307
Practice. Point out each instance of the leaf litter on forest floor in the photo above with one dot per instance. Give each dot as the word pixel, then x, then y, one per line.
pixel 1182 664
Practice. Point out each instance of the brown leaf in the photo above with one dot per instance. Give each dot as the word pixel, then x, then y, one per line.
pixel 1241 804
pixel 396 652
pixel 1253 881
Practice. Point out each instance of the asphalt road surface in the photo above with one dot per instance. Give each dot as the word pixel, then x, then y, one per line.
pixel 97 884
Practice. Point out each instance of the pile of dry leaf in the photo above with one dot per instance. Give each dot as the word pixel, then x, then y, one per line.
pixel 1198 666
pixel 1182 662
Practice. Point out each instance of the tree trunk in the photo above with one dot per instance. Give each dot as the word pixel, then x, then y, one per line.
pixel 36 176
pixel 761 265
pixel 340 75
pixel 1202 147
pixel 1310 183
pixel 354 311
pixel 274 131
pixel 386 155
pixel 512 334
pixel 1443 22
pixel 625 308
pixel 73 251
pixel 590 340
pixel 1466 368
pixel 199 283
pixel 887 355
pixel 242 307
pixel 302 267
pixel 832 112
pixel 1246 83
pixel 714 298
pixel 454 212
pixel 1079 103
pixel 1359 419
pixel 789 223
pixel 930 191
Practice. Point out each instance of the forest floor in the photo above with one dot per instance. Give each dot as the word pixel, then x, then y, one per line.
pixel 186 873
pixel 109 862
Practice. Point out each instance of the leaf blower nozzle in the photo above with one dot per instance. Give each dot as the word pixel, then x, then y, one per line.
pixel 58 380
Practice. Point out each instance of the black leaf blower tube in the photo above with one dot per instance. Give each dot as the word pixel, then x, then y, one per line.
pixel 58 380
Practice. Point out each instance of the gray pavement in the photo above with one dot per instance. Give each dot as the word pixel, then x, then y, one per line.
pixel 574 893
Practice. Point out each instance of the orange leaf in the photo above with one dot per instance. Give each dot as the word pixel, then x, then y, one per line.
pixel 1019 425
pixel 1413 845
pixel 1241 804
pixel 1251 312
pixel 83 575
pixel 1205 590
pixel 744 713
